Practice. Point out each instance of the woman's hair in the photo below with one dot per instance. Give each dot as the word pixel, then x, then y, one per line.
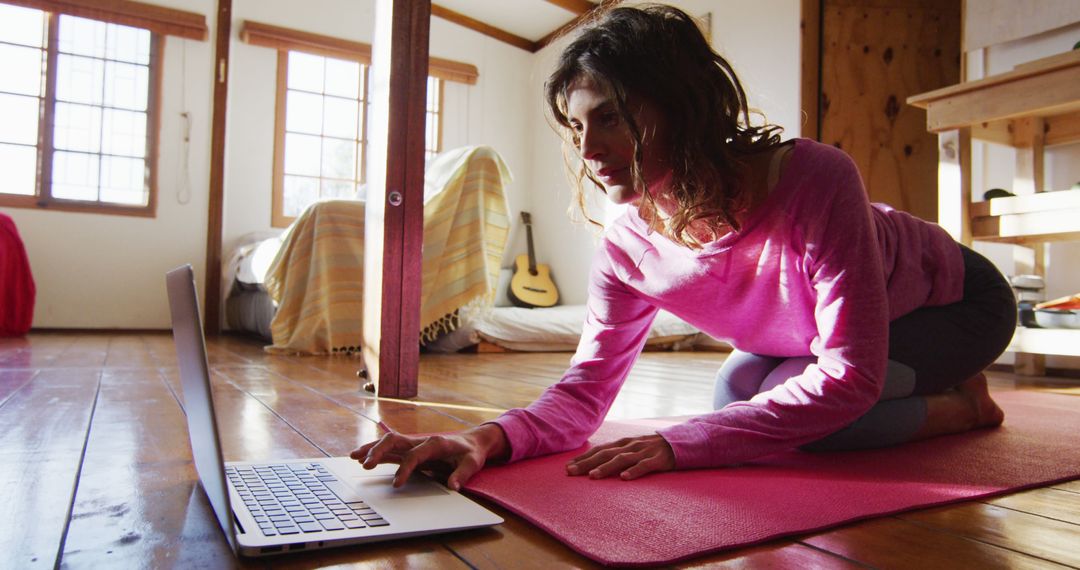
pixel 658 54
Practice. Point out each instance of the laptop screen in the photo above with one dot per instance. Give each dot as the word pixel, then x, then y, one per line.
pixel 198 398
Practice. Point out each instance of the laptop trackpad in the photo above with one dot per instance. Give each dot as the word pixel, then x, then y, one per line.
pixel 382 486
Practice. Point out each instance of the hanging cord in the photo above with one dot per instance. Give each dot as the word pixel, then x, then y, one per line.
pixel 183 188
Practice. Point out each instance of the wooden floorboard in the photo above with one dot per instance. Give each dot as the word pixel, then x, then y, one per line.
pixel 93 450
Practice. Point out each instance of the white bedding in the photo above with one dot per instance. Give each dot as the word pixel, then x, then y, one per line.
pixel 553 329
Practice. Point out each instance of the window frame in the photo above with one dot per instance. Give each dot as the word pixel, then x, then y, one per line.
pixel 42 198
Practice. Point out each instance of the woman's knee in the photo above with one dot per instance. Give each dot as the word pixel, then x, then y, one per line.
pixel 740 377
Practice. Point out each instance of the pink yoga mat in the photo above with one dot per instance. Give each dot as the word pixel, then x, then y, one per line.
pixel 674 516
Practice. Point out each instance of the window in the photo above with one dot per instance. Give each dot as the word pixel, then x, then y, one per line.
pixel 322 108
pixel 325 101
pixel 433 110
pixel 319 139
pixel 77 112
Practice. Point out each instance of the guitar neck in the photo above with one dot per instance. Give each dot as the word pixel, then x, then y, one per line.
pixel 527 220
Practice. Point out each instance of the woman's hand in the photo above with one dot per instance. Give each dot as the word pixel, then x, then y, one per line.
pixel 462 454
pixel 630 458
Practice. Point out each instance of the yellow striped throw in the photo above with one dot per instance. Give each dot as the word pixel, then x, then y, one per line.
pixel 317 277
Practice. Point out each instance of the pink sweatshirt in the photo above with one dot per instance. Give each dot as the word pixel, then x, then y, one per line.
pixel 816 270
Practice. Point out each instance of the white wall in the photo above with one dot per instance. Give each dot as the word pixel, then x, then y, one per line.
pixel 760 39
pixel 99 271
pixel 994 165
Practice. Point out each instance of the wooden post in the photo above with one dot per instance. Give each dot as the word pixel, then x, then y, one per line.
pixel 954 183
pixel 1029 140
pixel 214 224
pixel 810 98
pixel 394 216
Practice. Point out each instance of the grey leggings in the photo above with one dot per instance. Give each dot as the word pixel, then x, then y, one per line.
pixel 931 350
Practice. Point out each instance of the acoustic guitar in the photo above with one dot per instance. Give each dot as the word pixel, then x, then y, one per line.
pixel 531 284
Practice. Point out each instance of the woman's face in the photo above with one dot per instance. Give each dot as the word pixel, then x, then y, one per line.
pixel 607 146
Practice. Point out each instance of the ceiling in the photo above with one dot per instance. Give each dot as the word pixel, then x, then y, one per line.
pixel 528 24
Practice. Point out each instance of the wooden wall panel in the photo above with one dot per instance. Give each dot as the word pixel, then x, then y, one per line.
pixel 876 53
pixel 998 21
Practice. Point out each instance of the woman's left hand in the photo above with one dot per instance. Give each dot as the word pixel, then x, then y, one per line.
pixel 629 458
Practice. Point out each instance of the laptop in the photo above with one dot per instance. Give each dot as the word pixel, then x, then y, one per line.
pixel 272 507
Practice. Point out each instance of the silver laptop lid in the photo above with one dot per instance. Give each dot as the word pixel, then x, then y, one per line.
pixel 198 398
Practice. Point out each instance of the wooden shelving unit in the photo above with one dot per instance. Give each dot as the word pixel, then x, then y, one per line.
pixel 1032 107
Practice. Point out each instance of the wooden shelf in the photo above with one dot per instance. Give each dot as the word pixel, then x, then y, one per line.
pixel 1045 88
pixel 1032 107
pixel 1063 342
pixel 1034 218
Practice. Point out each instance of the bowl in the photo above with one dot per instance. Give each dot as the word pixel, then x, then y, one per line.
pixel 1058 318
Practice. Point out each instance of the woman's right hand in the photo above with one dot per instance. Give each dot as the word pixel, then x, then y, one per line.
pixel 463 453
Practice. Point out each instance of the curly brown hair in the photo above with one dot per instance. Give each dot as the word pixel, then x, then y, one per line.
pixel 659 54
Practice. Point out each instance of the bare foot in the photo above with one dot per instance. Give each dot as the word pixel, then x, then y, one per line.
pixel 967 407
pixel 987 412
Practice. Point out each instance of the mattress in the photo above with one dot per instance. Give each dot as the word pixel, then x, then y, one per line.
pixel 552 329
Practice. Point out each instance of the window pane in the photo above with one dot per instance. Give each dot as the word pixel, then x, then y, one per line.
pixel 19 165
pixel 432 94
pixel 303 112
pixel 432 127
pixel 123 180
pixel 338 189
pixel 78 127
pixel 79 79
pixel 124 132
pixel 340 118
pixel 22 25
pixel 19 119
pixel 339 158
pixel 299 194
pixel 126 85
pixel 81 36
pixel 342 78
pixel 302 154
pixel 125 43
pixel 75 176
pixel 22 71
pixel 305 72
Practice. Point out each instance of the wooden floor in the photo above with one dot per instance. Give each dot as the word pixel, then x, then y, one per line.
pixel 96 470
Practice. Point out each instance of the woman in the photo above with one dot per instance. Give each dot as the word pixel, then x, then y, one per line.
pixel 854 325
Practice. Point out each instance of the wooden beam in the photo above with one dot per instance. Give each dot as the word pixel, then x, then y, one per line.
pixel 214 223
pixel 578 7
pixel 565 28
pixel 286 39
pixel 394 216
pixel 486 29
pixel 810 100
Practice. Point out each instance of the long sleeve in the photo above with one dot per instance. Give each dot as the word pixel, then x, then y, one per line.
pixel 616 326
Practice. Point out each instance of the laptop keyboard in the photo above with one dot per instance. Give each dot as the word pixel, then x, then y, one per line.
pixel 294 498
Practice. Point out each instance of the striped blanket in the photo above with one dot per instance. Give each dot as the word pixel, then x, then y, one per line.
pixel 317 277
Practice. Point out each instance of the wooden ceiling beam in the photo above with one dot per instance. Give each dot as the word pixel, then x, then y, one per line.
pixel 486 29
pixel 581 17
pixel 578 7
